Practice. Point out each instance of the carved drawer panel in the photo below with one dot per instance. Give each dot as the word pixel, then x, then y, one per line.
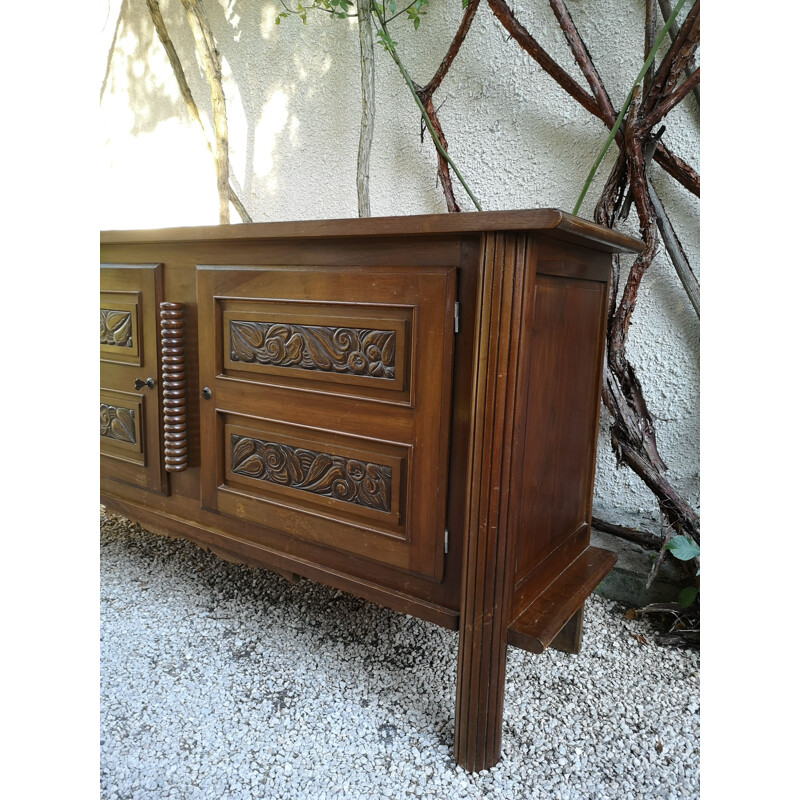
pixel 335 346
pixel 121 426
pixel 120 334
pixel 341 474
pixel 321 486
pixel 327 410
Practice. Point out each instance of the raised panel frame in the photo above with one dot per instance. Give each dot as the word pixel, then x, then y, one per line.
pixel 127 304
pixel 123 440
pixel 305 319
pixel 137 287
pixel 407 424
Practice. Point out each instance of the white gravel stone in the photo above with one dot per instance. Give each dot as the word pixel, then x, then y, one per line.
pixel 224 681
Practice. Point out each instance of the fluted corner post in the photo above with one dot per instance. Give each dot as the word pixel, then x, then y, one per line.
pixel 173 381
pixel 489 551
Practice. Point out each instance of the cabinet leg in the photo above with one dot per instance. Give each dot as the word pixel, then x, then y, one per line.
pixel 479 695
pixel 487 575
pixel 569 638
pixel 290 577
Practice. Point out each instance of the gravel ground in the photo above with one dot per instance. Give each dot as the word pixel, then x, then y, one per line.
pixel 221 681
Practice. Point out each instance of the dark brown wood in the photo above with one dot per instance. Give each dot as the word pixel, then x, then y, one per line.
pixel 319 439
pixel 487 583
pixel 570 637
pixel 130 412
pixel 338 428
pixel 560 224
pixel 174 387
pixel 553 474
pixel 212 533
pixel 536 627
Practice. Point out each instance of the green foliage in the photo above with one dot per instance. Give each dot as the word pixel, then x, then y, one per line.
pixel 415 12
pixel 683 548
pixel 342 9
pixel 338 9
pixel 386 41
pixel 688 596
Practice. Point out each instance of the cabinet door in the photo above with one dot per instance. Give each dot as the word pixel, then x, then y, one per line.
pixel 129 416
pixel 327 405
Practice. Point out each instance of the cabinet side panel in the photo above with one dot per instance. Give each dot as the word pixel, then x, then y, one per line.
pixel 554 475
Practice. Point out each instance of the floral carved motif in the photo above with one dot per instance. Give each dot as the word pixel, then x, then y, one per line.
pixel 115 327
pixel 348 479
pixel 118 423
pixel 353 351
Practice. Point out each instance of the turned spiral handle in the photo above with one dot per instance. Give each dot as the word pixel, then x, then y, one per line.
pixel 173 387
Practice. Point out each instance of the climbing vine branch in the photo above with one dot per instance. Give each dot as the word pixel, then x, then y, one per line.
pixel 612 135
pixel 391 47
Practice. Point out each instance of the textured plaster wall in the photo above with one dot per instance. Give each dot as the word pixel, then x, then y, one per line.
pixel 293 95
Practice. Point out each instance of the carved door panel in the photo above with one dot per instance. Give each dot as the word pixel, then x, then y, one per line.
pixel 129 375
pixel 328 405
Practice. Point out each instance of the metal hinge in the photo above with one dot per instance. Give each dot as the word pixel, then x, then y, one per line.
pixel 446 540
pixel 456 316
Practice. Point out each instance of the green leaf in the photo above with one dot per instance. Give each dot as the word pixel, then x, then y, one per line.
pixel 416 23
pixel 386 40
pixel 688 596
pixel 683 548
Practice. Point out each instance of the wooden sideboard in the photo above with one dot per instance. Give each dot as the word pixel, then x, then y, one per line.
pixel 404 408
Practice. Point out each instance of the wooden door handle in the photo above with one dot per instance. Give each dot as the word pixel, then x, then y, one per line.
pixel 176 456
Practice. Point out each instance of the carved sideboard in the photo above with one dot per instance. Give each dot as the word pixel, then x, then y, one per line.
pixel 403 408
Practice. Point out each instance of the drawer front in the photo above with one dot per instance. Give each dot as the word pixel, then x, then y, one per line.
pixel 130 448
pixel 327 414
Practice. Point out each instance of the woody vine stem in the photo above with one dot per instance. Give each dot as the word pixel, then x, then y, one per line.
pixel 390 45
pixel 620 116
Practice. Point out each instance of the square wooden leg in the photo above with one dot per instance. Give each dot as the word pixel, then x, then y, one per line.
pixel 569 638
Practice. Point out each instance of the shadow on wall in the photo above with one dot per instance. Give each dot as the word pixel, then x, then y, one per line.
pixel 156 156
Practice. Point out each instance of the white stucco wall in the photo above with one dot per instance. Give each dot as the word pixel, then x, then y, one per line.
pixel 293 96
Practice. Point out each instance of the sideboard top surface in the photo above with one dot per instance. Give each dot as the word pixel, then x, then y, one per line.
pixel 552 222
